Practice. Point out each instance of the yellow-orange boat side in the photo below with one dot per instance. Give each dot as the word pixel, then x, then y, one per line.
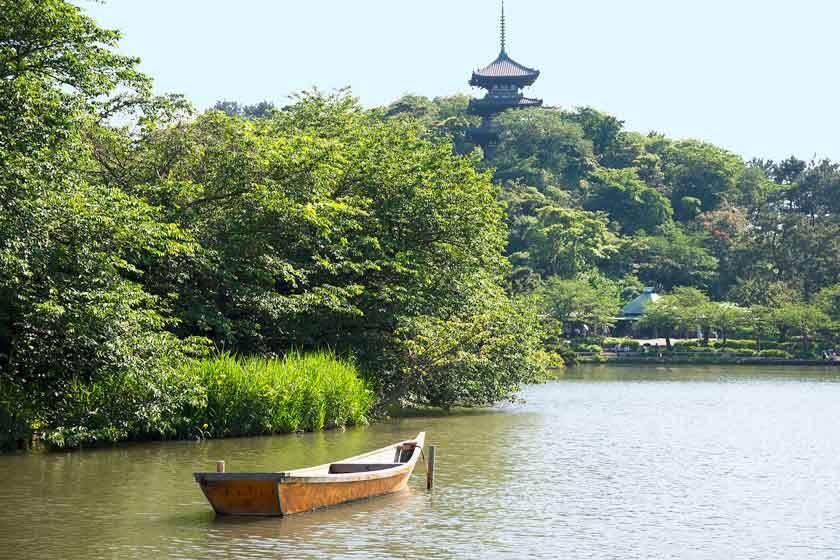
pixel 377 473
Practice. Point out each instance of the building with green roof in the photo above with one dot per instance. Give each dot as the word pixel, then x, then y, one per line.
pixel 634 310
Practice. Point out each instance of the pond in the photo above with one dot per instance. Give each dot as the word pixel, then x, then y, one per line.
pixel 610 462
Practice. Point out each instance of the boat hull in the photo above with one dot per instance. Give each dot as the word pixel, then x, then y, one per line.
pixel 297 497
pixel 381 472
pixel 243 496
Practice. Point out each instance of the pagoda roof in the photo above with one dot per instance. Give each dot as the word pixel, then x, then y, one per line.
pixel 491 105
pixel 504 70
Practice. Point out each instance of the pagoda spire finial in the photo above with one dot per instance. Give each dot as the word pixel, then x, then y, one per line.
pixel 503 27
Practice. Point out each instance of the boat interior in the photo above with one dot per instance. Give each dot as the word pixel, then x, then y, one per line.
pixel 379 460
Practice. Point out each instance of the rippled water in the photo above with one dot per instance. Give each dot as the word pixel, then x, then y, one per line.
pixel 608 463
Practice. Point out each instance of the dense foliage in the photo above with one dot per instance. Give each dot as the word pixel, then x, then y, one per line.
pixel 136 235
pixel 82 344
pixel 588 200
pixel 672 213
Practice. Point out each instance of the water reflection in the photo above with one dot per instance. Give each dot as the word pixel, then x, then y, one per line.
pixel 607 463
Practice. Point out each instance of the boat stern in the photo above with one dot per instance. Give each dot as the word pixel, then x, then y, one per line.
pixel 242 493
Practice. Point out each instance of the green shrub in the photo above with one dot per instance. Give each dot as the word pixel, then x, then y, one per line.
pixel 788 346
pixel 152 404
pixel 299 392
pixel 630 343
pixel 734 344
pixel 476 358
pixel 550 360
pixel 593 339
pixel 593 348
pixel 774 353
pixel 747 353
pixel 692 346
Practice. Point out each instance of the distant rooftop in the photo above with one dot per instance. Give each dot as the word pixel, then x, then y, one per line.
pixel 637 307
pixel 504 67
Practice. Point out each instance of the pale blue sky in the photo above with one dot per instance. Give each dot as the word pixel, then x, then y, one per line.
pixel 757 77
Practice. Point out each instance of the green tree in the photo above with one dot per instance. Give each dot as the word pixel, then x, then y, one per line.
pixel 261 110
pixel 445 115
pixel 565 241
pixel 123 249
pixel 591 299
pixel 604 131
pixel 694 310
pixel 663 317
pixel 800 320
pixel 472 360
pixel 542 148
pixel 758 290
pixel 726 318
pixel 788 247
pixel 699 170
pixel 673 258
pixel 627 200
pixel 828 301
pixel 762 321
pixel 74 316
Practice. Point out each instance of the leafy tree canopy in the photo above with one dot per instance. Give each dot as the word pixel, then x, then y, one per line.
pixel 627 200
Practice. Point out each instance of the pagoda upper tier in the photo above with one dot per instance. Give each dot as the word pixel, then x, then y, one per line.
pixel 504 71
pixel 504 79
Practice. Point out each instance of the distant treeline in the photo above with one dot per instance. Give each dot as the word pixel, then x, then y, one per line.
pixel 596 212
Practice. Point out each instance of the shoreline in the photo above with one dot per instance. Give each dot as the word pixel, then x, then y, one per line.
pixel 701 358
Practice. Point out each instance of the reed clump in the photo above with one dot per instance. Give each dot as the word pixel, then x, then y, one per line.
pixel 298 392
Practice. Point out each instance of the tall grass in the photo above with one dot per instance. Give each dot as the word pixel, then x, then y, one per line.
pixel 299 392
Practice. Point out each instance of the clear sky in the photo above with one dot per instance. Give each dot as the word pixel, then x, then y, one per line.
pixel 759 77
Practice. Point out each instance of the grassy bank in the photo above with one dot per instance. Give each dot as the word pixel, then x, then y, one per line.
pixel 220 396
pixel 300 392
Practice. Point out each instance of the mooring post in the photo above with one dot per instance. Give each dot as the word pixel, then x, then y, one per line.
pixel 220 466
pixel 430 468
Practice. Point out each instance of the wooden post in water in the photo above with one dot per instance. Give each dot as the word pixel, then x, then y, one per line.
pixel 430 468
pixel 220 466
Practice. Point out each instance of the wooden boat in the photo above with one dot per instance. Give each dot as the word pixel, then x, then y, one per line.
pixel 376 473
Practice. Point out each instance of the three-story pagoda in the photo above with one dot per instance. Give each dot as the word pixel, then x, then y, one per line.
pixel 503 79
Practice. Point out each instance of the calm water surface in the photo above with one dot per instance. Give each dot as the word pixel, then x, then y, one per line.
pixel 610 462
